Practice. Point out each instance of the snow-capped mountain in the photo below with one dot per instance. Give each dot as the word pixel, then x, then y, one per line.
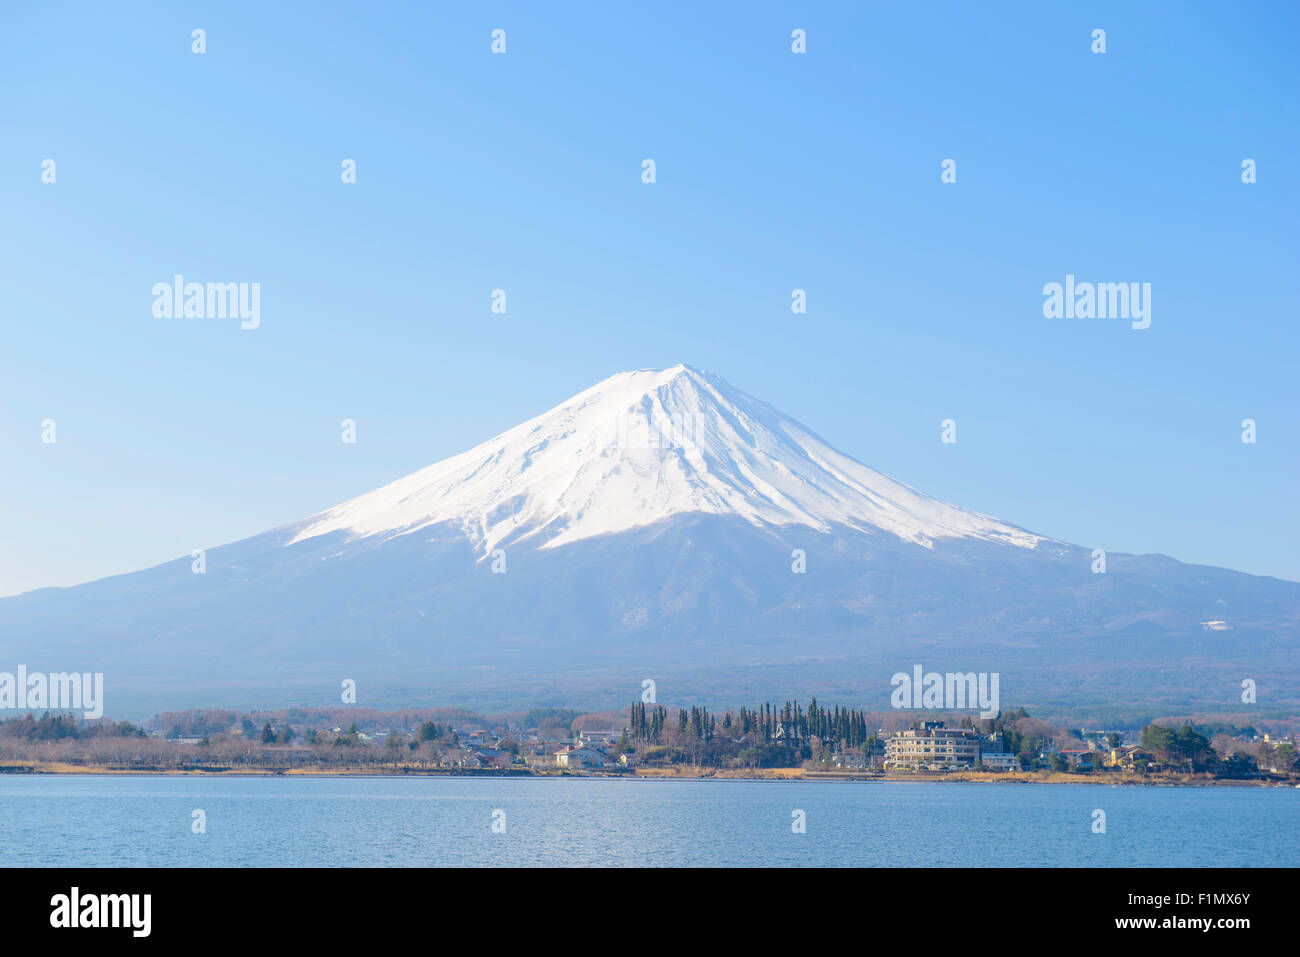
pixel 649 525
pixel 642 447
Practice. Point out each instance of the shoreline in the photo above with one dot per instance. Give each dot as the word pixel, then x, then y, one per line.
pixel 655 774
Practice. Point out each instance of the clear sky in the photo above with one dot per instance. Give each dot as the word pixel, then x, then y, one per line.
pixel 522 171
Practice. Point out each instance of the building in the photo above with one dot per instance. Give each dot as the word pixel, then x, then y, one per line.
pixel 1126 757
pixel 597 737
pixel 1081 758
pixel 490 757
pixel 999 760
pixel 581 758
pixel 932 747
pixel 851 762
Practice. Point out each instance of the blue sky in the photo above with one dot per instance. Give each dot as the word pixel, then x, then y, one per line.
pixel 521 171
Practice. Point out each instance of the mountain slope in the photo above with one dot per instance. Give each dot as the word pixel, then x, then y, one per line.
pixel 646 528
pixel 641 447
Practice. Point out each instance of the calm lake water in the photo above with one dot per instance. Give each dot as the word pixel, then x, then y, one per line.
pixel 424 822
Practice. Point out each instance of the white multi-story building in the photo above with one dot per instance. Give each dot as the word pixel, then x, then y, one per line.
pixel 932 747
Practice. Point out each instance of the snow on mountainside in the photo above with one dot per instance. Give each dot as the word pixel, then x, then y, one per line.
pixel 640 447
pixel 679 502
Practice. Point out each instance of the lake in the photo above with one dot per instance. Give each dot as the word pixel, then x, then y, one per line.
pixel 103 820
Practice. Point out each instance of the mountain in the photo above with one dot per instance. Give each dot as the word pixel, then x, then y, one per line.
pixel 652 527
pixel 643 447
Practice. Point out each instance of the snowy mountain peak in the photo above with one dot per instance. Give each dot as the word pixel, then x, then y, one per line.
pixel 640 447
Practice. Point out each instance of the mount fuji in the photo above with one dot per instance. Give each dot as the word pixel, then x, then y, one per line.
pixel 661 524
pixel 643 447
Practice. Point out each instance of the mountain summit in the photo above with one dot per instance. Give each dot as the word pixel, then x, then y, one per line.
pixel 639 448
pixel 662 524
